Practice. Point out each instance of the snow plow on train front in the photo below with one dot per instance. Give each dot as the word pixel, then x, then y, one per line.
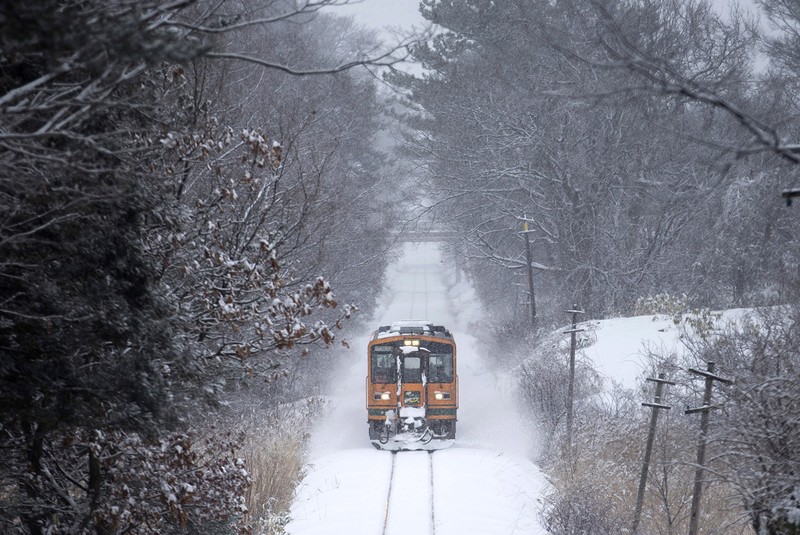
pixel 412 387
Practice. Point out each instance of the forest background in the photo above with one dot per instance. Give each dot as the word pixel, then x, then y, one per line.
pixel 183 185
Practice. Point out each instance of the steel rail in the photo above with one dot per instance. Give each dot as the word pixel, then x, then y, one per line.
pixel 433 497
pixel 389 493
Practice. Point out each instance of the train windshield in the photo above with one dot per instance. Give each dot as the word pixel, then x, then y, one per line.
pixel 440 368
pixel 384 365
pixel 436 362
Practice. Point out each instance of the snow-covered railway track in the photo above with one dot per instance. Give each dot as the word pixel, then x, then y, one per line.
pixel 456 491
pixel 409 503
pixel 482 485
pixel 389 494
pixel 433 501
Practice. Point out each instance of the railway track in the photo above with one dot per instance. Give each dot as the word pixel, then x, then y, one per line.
pixel 410 498
pixel 389 494
pixel 433 508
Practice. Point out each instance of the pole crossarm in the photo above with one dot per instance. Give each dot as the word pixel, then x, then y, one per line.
pixel 710 375
pixel 656 405
pixel 704 408
pixel 660 380
pixel 790 194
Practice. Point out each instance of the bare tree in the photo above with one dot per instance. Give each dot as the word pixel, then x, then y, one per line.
pixel 618 207
pixel 701 76
pixel 147 247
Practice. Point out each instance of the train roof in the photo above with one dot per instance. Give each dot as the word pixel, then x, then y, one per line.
pixel 412 328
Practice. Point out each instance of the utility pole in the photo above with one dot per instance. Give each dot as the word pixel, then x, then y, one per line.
pixel 571 384
pixel 651 435
pixel 701 444
pixel 520 302
pixel 529 261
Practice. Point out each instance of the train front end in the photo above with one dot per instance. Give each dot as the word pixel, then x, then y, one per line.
pixel 412 387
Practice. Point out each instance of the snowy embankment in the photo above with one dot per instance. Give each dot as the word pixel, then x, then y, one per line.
pixel 618 348
pixel 483 484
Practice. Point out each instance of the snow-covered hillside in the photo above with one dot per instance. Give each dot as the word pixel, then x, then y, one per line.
pixel 617 348
pixel 483 484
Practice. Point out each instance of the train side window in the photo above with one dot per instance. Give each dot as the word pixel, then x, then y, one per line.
pixel 383 368
pixel 440 368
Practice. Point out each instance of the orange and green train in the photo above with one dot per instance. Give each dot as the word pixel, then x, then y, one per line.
pixel 412 386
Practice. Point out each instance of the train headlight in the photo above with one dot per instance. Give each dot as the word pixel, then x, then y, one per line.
pixel 411 343
pixel 439 396
pixel 381 396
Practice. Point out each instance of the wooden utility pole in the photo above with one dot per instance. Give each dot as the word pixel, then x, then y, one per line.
pixel 701 444
pixel 571 384
pixel 651 435
pixel 529 261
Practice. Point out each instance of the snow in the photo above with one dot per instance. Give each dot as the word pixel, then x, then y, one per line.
pixel 500 493
pixel 620 346
pixel 344 492
pixel 412 412
pixel 484 483
pixel 410 508
pixel 473 492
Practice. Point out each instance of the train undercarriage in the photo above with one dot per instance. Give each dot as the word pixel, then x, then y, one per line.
pixel 410 430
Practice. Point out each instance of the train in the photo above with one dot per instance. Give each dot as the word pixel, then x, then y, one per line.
pixel 412 386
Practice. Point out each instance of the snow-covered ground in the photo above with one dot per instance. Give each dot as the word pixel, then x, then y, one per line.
pixel 483 484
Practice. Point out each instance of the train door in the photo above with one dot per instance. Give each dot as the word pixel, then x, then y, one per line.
pixel 411 381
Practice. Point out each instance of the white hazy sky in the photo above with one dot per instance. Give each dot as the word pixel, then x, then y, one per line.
pixel 379 14
pixel 383 14
pixel 388 15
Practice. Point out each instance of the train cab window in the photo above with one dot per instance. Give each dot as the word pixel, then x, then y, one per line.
pixel 384 367
pixel 412 369
pixel 440 368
